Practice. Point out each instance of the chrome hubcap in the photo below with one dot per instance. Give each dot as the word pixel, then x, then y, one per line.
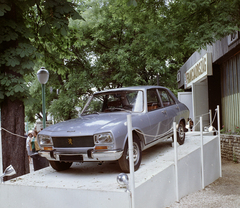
pixel 181 131
pixel 135 153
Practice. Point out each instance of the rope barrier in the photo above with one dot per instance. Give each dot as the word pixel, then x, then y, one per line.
pixel 196 124
pixel 202 115
pixel 1 128
pixel 210 124
pixel 214 116
pixel 157 136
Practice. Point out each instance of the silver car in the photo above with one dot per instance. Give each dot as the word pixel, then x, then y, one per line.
pixel 100 133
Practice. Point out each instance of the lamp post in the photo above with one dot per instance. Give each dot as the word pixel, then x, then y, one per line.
pixel 43 76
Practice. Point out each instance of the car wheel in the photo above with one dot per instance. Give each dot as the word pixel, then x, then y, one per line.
pixel 181 133
pixel 60 165
pixel 137 155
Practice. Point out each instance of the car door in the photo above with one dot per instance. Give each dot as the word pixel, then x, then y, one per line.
pixel 170 107
pixel 157 115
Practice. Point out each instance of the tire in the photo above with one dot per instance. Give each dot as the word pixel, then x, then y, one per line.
pixel 59 166
pixel 137 155
pixel 181 133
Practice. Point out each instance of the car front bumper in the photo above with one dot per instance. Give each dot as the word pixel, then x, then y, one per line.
pixel 91 155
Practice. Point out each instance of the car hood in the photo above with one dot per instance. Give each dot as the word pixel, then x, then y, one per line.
pixel 86 125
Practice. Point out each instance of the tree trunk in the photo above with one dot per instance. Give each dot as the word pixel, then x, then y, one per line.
pixel 14 147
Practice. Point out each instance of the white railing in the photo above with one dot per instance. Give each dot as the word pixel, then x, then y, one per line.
pixel 131 163
pixel 201 146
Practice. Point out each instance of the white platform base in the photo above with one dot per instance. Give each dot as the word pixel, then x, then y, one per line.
pixel 88 185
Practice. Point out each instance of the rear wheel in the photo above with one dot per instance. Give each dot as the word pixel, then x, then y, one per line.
pixel 181 133
pixel 137 155
pixel 60 165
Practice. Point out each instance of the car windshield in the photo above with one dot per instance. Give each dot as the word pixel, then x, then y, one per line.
pixel 115 101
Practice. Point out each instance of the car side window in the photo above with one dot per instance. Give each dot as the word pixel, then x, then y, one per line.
pixel 167 100
pixel 152 100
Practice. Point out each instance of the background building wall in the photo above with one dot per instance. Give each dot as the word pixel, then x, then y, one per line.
pixel 230 79
pixel 230 147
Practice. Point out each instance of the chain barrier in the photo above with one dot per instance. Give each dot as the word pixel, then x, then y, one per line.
pixel 209 124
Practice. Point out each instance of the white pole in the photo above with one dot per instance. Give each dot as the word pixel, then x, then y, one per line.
pixel 202 163
pixel 1 165
pixel 176 159
pixel 210 117
pixel 219 141
pixel 131 163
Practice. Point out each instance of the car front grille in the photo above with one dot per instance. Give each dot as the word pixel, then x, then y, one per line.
pixel 81 141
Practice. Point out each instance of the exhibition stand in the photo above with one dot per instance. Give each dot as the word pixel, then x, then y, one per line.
pixel 166 175
pixel 95 185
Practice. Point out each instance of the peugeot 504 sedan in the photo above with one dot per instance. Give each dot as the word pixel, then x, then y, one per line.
pixel 100 132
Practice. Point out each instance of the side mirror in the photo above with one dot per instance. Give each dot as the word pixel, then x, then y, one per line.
pixel 9 171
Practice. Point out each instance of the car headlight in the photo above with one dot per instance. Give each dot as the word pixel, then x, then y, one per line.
pixel 103 138
pixel 44 140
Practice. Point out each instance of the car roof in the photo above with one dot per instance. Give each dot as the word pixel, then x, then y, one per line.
pixel 145 87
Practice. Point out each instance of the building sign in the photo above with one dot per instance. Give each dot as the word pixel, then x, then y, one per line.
pixel 232 38
pixel 199 71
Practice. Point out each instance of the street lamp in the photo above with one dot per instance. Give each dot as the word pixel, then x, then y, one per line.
pixel 43 76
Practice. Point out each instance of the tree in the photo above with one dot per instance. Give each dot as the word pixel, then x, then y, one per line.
pixel 194 24
pixel 128 42
pixel 127 45
pixel 26 29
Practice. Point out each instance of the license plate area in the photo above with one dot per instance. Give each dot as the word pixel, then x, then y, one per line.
pixel 71 158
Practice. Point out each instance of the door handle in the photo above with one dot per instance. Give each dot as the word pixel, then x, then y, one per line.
pixel 164 112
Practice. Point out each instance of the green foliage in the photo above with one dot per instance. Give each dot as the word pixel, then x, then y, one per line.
pixel 4 8
pixel 125 45
pixel 72 95
pixel 101 44
pixel 223 130
pixel 29 31
pixel 201 22
pixel 229 131
pixel 63 108
pixel 237 130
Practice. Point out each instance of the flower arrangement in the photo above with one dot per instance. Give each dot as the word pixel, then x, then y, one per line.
pixel 236 130
pixel 223 130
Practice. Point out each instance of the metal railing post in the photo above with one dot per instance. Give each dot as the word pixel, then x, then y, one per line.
pixel 131 163
pixel 210 117
pixel 202 160
pixel 176 159
pixel 219 141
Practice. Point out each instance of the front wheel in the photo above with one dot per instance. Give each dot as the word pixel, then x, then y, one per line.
pixel 60 165
pixel 137 155
pixel 181 133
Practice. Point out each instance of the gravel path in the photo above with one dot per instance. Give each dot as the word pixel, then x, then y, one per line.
pixel 224 192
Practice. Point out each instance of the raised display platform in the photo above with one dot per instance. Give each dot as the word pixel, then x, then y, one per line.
pixel 88 185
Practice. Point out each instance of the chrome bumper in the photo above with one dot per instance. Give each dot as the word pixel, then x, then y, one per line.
pixel 92 155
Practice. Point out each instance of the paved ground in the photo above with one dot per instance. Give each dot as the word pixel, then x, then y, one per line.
pixel 223 193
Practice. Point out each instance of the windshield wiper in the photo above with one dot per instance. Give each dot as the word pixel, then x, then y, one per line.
pixel 120 109
pixel 89 113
